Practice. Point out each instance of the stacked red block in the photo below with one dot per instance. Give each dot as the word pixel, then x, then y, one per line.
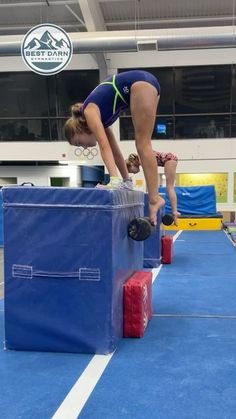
pixel 166 249
pixel 137 304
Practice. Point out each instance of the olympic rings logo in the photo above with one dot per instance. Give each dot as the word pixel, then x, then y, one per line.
pixel 89 153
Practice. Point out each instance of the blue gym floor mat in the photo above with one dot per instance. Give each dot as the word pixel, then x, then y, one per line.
pixel 201 278
pixel 181 369
pixel 208 253
pixel 34 384
pixel 195 294
pixel 208 265
pixel 205 248
pixel 201 236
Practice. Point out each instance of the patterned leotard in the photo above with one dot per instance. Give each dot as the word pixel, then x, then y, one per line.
pixel 162 158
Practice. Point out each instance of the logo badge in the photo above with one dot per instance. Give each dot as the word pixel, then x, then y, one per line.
pixel 46 49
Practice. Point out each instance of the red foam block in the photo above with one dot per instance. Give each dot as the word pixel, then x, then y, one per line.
pixel 137 304
pixel 166 249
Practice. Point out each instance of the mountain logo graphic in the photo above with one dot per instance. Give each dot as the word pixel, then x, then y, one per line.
pixel 46 49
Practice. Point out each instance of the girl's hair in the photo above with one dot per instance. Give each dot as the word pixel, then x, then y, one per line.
pixel 133 160
pixel 77 123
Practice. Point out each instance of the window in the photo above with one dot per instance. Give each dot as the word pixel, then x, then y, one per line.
pixel 166 80
pixel 233 126
pixel 60 181
pixel 196 102
pixel 57 129
pixel 8 181
pixel 202 126
pixel 234 88
pixel 126 128
pixel 24 130
pixel 23 95
pixel 74 86
pixel 204 89
pixel 163 128
pixel 30 103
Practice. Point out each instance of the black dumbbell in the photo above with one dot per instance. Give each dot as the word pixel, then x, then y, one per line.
pixel 167 219
pixel 140 228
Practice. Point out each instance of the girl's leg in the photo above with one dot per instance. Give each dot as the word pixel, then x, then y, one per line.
pixel 143 105
pixel 170 173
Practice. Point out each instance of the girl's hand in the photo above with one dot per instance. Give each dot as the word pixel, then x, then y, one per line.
pixel 176 215
pixel 128 184
pixel 115 183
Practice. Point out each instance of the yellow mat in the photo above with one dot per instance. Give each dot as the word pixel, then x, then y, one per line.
pixel 196 224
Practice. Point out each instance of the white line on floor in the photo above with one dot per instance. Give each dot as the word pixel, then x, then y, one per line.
pixel 231 241
pixel 75 400
pixel 80 392
pixel 156 271
pixel 177 235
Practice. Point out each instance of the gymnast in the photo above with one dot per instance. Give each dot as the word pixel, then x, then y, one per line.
pixel 91 120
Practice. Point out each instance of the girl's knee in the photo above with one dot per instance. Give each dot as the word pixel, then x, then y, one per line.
pixel 142 138
pixel 139 143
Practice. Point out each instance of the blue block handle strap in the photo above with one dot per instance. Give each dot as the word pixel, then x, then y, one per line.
pixel 82 274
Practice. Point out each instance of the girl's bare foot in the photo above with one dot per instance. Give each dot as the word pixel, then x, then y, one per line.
pixel 154 207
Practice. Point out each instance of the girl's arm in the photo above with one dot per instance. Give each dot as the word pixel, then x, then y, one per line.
pixel 119 159
pixel 93 119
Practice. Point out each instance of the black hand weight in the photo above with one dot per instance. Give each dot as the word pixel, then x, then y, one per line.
pixel 167 219
pixel 140 228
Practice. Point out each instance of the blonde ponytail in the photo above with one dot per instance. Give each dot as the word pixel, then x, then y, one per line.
pixel 77 110
pixel 77 124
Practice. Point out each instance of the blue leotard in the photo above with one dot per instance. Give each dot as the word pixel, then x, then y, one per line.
pixel 113 95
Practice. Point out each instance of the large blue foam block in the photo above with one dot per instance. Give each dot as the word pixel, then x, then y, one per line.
pixel 195 200
pixel 66 256
pixel 152 246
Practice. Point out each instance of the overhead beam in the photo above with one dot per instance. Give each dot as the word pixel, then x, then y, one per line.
pixel 29 26
pixel 166 22
pixel 117 1
pixel 37 3
pixel 92 15
pixel 76 15
pixel 94 21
